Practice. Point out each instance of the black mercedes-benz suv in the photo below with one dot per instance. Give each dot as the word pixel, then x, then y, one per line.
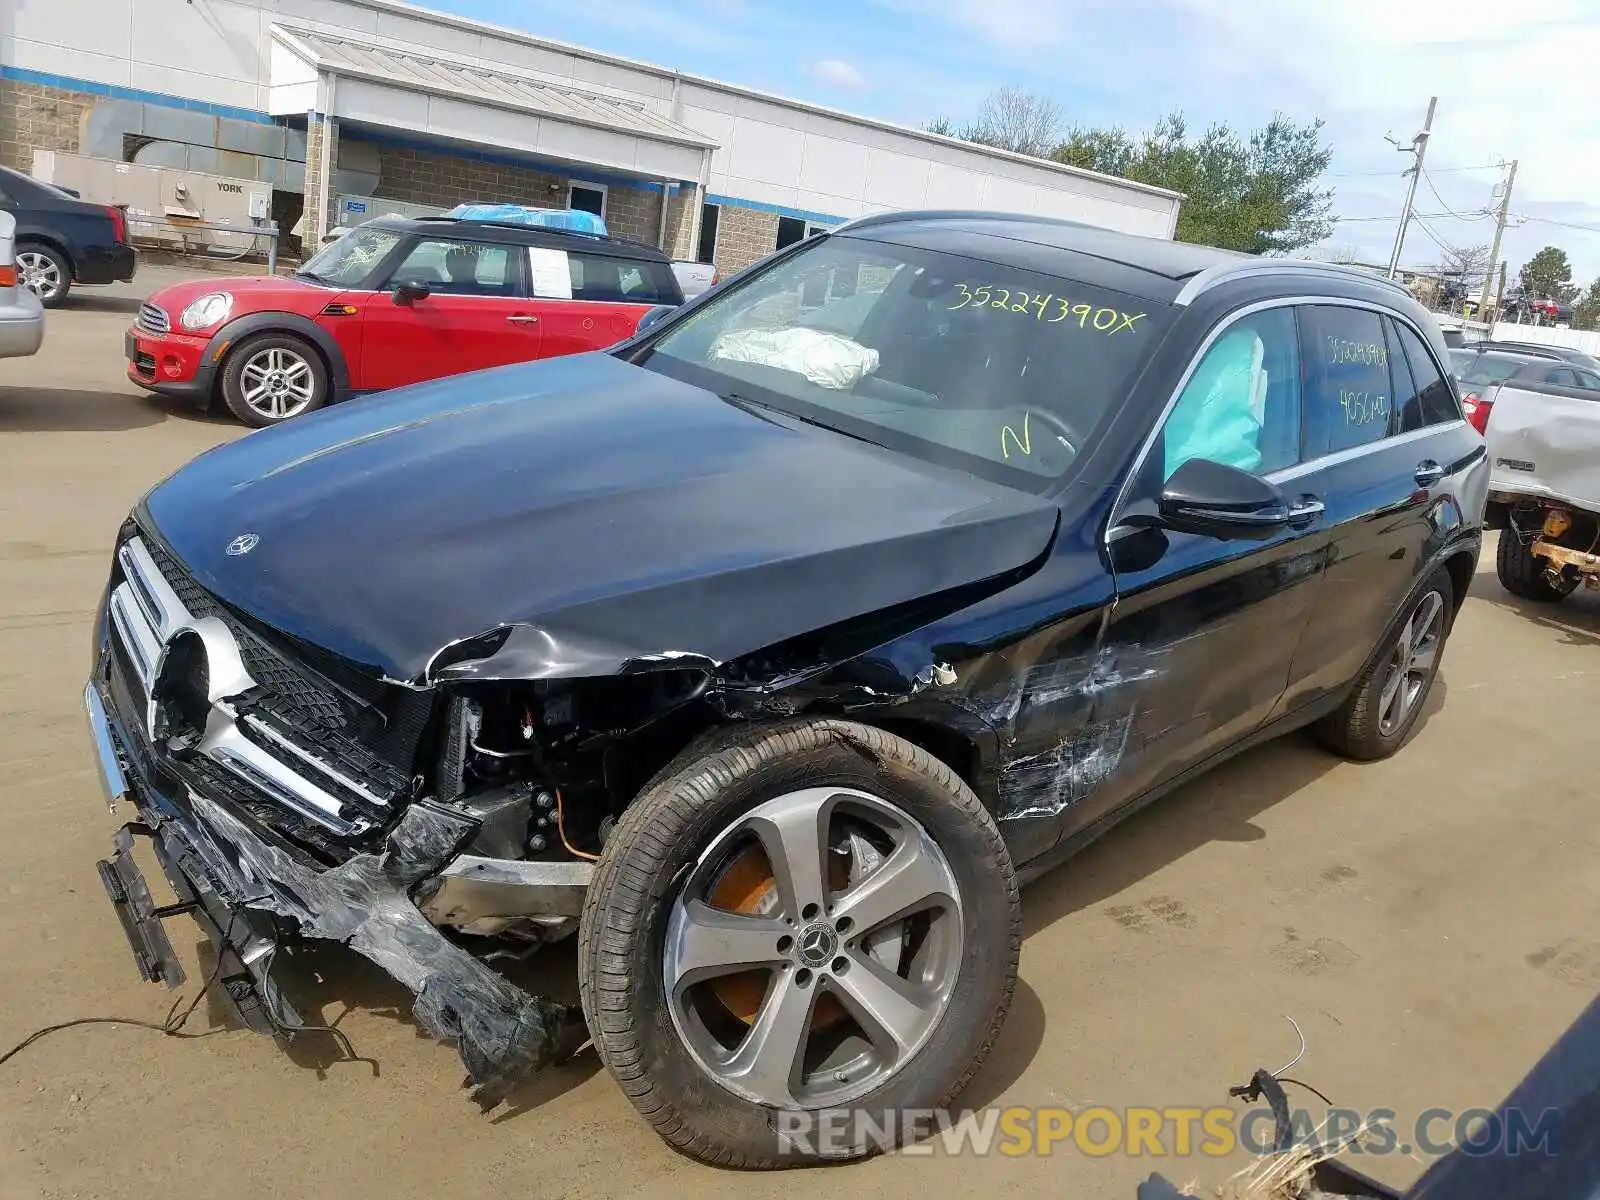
pixel 767 651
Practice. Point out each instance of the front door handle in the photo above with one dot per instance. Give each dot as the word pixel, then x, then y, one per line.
pixel 1304 509
pixel 1429 473
pixel 523 319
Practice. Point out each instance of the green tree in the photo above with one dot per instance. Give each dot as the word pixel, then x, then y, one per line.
pixel 1548 273
pixel 1586 313
pixel 1256 193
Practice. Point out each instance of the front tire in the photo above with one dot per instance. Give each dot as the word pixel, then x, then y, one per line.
pixel 1390 694
pixel 45 272
pixel 792 918
pixel 1522 572
pixel 273 378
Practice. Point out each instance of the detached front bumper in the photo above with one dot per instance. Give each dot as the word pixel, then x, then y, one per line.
pixel 248 890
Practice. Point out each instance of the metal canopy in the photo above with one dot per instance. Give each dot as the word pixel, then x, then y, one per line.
pixel 462 80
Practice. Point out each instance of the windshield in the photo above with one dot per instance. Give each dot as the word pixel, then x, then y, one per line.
pixel 348 261
pixel 1487 368
pixel 1003 372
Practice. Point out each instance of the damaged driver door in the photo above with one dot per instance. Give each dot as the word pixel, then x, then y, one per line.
pixel 1216 569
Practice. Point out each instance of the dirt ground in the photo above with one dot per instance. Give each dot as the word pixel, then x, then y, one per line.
pixel 1428 921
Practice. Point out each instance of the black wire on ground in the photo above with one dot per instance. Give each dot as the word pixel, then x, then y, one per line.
pixel 171 1027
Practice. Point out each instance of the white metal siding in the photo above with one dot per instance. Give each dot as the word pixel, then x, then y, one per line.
pixel 789 157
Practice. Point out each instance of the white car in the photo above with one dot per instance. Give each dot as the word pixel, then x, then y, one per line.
pixel 21 314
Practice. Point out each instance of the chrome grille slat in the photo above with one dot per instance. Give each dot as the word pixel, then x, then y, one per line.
pixel 146 614
pixel 153 319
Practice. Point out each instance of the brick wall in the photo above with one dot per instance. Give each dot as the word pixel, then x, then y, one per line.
pixel 35 117
pixel 743 236
pixel 426 177
pixel 680 222
pixel 319 197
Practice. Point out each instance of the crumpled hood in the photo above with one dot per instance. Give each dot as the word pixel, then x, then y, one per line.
pixel 588 501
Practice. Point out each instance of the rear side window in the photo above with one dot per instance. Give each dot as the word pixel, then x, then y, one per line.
pixel 1560 376
pixel 1425 396
pixel 1348 395
pixel 622 280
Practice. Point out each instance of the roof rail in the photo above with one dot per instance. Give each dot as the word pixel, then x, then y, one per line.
pixel 1227 272
pixel 897 216
pixel 577 233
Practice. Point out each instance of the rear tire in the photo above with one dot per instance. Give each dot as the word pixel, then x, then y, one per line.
pixel 1522 572
pixel 684 829
pixel 272 378
pixel 1391 693
pixel 45 272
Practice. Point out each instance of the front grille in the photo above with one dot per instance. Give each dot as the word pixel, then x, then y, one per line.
pixel 294 731
pixel 153 319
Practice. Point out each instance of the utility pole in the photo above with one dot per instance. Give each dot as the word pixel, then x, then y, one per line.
pixel 1500 293
pixel 1418 148
pixel 1499 230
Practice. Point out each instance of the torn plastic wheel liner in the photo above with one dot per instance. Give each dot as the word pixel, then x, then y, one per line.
pixel 503 1033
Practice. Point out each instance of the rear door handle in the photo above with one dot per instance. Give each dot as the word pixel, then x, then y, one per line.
pixel 1429 473
pixel 523 319
pixel 1304 509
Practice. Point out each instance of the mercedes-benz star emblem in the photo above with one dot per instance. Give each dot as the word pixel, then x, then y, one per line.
pixel 817 945
pixel 243 544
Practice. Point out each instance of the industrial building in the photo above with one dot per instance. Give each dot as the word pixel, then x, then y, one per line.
pixel 336 110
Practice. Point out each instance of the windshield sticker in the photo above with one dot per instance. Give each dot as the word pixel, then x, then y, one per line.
pixel 1103 319
pixel 1024 443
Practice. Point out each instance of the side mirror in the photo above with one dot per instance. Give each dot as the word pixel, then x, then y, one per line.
pixel 654 317
pixel 410 293
pixel 1213 500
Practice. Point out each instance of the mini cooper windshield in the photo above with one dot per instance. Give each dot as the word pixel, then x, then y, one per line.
pixel 1004 372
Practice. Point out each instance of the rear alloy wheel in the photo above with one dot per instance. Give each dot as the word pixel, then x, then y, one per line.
pixel 45 273
pixel 795 918
pixel 272 379
pixel 1388 698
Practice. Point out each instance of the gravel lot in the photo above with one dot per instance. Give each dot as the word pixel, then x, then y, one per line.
pixel 1428 921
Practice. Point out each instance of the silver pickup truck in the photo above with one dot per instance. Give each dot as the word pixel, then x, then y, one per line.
pixel 1543 439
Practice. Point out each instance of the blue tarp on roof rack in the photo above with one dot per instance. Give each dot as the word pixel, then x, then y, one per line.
pixel 571 219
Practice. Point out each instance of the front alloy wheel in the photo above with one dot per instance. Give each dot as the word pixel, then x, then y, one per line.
pixel 798 932
pixel 827 924
pixel 274 378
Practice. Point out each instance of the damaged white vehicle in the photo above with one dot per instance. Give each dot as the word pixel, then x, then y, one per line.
pixel 1542 425
pixel 769 650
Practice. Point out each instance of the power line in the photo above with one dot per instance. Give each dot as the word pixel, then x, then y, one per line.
pixel 1426 178
pixel 1401 174
pixel 1396 217
pixel 1563 224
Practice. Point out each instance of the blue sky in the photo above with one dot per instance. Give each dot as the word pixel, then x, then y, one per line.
pixel 1513 82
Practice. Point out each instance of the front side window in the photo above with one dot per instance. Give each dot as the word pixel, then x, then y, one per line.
pixel 460 268
pixel 1482 370
pixel 351 260
pixel 1241 404
pixel 1348 395
pixel 1004 372
pixel 1587 379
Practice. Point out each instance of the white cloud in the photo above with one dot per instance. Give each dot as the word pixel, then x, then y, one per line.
pixel 1513 81
pixel 835 72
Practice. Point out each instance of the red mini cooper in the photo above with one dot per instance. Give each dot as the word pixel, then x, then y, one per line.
pixel 393 302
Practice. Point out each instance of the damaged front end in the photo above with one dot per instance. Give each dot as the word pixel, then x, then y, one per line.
pixel 434 824
pixel 276 793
